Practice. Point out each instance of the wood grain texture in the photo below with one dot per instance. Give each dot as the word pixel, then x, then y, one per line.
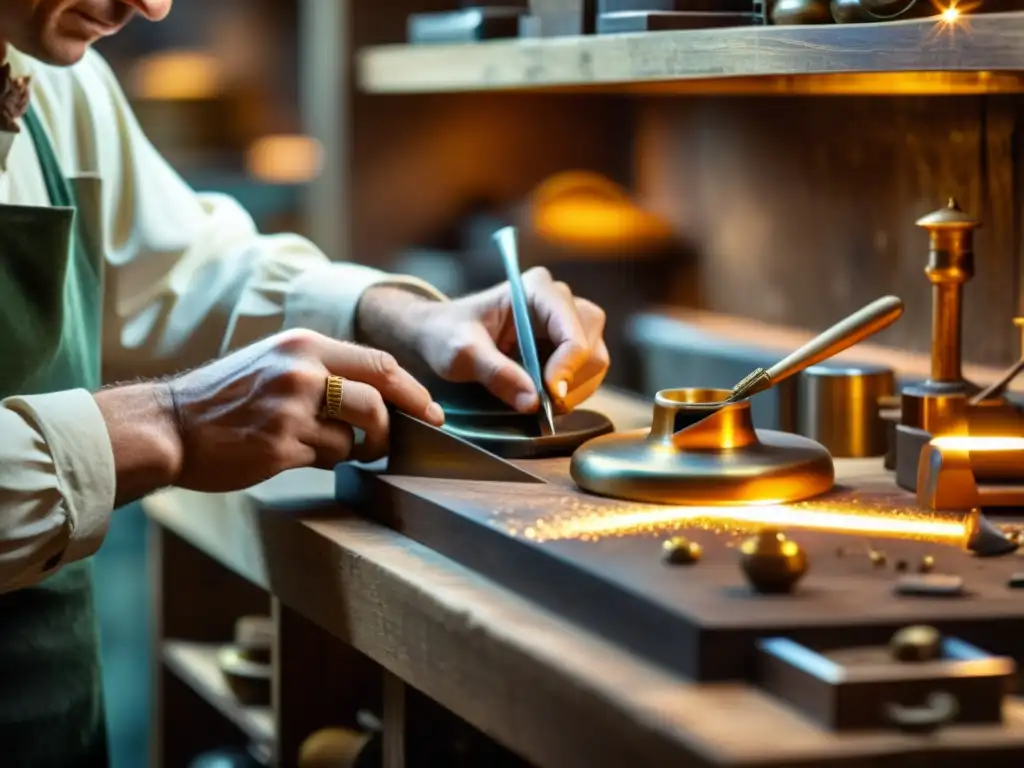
pixel 991 44
pixel 803 210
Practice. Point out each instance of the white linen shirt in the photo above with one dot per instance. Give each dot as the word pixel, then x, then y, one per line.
pixel 187 277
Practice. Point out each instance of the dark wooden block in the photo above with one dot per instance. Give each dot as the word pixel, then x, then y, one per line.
pixel 656 21
pixel 466 26
pixel 846 689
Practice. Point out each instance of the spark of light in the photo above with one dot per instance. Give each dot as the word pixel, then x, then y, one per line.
pixel 830 516
pixel 952 17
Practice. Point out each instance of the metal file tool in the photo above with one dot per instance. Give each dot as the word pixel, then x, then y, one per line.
pixel 508 247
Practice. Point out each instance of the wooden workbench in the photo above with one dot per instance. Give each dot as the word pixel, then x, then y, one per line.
pixel 348 594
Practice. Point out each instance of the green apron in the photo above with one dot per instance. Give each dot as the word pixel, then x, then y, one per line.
pixel 51 706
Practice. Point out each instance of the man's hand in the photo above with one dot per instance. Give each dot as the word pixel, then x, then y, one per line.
pixel 246 417
pixel 471 339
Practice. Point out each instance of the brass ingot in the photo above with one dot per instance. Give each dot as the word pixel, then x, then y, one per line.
pixel 681 551
pixel 916 644
pixel 688 457
pixel 772 563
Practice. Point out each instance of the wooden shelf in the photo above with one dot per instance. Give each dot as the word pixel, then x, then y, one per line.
pixel 195 664
pixel 978 54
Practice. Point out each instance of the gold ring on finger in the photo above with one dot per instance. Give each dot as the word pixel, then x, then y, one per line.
pixel 333 397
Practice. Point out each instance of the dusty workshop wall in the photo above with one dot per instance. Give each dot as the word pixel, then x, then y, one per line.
pixel 803 209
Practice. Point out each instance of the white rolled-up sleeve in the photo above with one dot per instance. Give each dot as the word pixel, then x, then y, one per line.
pixel 56 484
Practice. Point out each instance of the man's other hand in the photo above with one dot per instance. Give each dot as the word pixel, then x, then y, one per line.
pixel 471 339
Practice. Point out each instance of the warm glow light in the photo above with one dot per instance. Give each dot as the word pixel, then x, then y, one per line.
pixel 950 15
pixel 176 76
pixel 582 209
pixel 979 444
pixel 841 517
pixel 285 159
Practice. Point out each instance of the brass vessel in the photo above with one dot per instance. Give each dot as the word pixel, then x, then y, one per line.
pixel 772 563
pixel 691 458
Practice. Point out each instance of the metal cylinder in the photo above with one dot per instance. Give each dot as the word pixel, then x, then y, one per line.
pixel 838 407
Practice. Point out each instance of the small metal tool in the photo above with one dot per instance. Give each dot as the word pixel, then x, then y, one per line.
pixel 865 322
pixel 507 246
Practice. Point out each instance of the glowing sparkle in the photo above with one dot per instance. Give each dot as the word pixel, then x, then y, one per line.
pixel 951 14
pixel 583 521
pixel 979 443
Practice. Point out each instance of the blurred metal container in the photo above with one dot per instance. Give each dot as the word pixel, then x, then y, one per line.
pixel 839 407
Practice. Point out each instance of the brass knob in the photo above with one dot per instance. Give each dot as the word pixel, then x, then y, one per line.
pixel 916 643
pixel 681 551
pixel 772 563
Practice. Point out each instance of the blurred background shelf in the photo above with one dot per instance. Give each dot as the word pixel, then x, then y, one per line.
pixel 976 54
pixel 195 664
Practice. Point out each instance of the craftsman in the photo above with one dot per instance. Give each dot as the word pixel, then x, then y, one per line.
pixel 148 278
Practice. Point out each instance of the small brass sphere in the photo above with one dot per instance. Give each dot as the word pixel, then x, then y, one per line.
pixel 681 551
pixel 927 564
pixel 772 563
pixel 916 643
pixel 877 558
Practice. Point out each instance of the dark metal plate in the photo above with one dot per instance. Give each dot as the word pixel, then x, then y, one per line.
pixel 515 436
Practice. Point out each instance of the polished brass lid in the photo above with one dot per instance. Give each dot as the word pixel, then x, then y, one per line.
pixel 951 216
pixel 691 458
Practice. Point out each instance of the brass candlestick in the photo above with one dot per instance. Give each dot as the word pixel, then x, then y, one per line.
pixel 930 406
pixel 950 265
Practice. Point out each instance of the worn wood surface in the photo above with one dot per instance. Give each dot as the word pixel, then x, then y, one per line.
pixel 560 696
pixel 811 214
pixel 987 43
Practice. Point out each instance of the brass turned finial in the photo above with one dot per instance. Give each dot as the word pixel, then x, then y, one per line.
pixel 950 265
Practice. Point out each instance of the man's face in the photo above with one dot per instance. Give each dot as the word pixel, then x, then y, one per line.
pixel 60 31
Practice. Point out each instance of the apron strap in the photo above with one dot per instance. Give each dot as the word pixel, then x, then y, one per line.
pixel 61 193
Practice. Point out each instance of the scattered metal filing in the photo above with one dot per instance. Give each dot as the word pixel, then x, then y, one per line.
pixel 916 643
pixel 984 539
pixel 772 563
pixel 681 551
pixel 927 564
pixel 930 585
